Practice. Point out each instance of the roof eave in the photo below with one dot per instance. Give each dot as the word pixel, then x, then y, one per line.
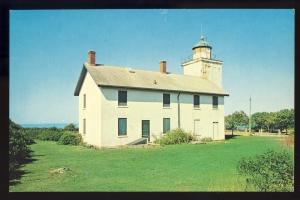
pixel 158 89
pixel 80 81
pixel 212 60
pixel 201 46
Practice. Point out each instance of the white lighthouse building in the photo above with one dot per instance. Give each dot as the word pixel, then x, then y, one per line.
pixel 119 105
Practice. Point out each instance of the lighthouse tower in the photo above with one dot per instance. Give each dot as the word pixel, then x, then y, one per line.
pixel 202 64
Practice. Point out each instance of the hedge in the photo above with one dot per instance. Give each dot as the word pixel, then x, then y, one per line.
pixel 50 134
pixel 18 147
pixel 269 172
pixel 176 136
pixel 70 138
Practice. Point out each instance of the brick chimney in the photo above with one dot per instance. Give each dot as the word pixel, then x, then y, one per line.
pixel 163 67
pixel 91 58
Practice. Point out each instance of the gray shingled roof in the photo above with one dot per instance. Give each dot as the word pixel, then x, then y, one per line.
pixel 112 76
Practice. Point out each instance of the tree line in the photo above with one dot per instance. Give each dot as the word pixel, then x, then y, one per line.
pixel 268 121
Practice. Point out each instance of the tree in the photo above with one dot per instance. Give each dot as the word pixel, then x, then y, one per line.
pixel 229 123
pixel 18 147
pixel 260 120
pixel 291 119
pixel 238 118
pixel 284 119
pixel 70 127
pixel 13 125
pixel 270 121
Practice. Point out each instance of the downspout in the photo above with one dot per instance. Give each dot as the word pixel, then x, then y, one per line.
pixel 178 109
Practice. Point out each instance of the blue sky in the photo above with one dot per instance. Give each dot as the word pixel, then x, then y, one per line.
pixel 48 48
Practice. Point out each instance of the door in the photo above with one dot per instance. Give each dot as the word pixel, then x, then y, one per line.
pixel 215 130
pixel 146 129
pixel 197 128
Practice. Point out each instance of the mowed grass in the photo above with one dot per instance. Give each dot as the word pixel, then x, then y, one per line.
pixel 187 167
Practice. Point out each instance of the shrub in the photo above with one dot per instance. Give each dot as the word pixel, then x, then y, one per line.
pixel 53 128
pixel 206 139
pixel 90 146
pixel 70 127
pixel 28 137
pixel 32 133
pixel 18 149
pixel 271 171
pixel 70 138
pixel 176 136
pixel 50 134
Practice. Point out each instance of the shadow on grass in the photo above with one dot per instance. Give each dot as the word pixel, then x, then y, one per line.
pixel 15 178
pixel 227 137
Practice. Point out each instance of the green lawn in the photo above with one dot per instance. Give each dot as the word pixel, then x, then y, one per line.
pixel 187 167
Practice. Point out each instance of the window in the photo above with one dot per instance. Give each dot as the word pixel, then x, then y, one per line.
pixel 196 101
pixel 122 98
pixel 166 125
pixel 84 101
pixel 166 100
pixel 215 101
pixel 84 126
pixel 122 126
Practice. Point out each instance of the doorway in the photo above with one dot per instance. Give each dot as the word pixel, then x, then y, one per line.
pixel 146 129
pixel 215 130
pixel 197 128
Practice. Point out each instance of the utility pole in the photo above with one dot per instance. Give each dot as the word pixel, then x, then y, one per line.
pixel 250 117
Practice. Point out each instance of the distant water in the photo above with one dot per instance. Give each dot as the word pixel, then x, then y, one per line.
pixel 46 125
